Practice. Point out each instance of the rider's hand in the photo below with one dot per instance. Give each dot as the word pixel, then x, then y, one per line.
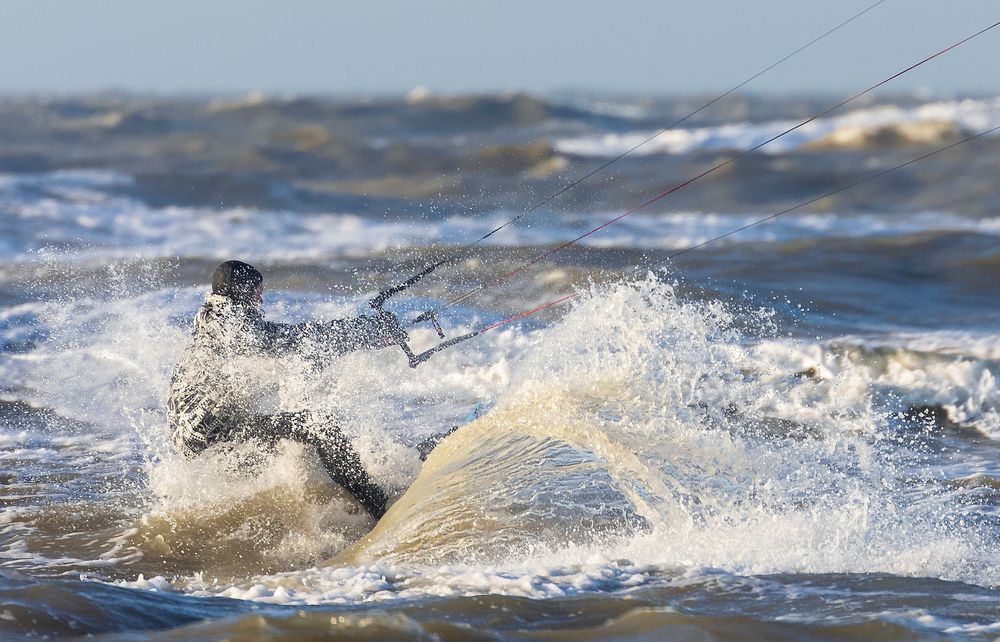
pixel 390 329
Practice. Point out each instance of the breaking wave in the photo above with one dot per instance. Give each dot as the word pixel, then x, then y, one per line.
pixel 845 130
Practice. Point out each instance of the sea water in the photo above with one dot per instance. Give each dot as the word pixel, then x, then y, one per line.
pixel 789 434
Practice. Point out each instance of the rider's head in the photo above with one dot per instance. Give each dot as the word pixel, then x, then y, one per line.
pixel 238 281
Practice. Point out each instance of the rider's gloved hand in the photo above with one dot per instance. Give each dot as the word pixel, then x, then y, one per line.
pixel 390 329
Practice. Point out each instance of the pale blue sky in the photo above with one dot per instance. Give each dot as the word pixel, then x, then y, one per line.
pixel 296 46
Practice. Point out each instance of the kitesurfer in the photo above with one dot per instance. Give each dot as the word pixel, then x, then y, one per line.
pixel 218 396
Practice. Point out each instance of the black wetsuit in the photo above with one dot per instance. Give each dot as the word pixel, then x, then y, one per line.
pixel 339 458
pixel 213 397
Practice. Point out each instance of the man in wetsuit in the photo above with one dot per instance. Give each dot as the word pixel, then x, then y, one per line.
pixel 216 393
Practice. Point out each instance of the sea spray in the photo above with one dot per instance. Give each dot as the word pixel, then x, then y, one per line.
pixel 749 464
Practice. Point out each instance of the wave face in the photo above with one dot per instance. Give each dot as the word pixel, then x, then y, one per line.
pixel 789 434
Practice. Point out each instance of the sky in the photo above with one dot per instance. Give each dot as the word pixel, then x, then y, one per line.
pixel 392 46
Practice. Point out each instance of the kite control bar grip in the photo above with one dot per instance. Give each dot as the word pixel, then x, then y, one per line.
pixel 417 359
pixel 396 332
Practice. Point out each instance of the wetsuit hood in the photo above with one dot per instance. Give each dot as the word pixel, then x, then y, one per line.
pixel 237 281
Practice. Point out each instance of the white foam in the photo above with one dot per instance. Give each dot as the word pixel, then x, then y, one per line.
pixel 972 345
pixel 956 370
pixel 103 227
pixel 380 583
pixel 971 115
pixel 131 231
pixel 973 629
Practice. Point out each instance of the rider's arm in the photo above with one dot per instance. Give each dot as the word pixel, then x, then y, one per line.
pixel 339 336
pixel 357 333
